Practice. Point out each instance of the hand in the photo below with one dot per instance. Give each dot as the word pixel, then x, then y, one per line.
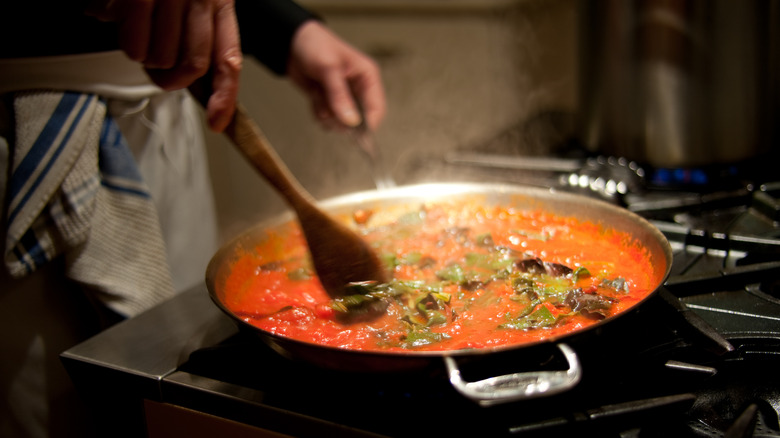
pixel 180 41
pixel 334 74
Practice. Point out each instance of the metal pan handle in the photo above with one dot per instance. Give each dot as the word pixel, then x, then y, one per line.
pixel 517 386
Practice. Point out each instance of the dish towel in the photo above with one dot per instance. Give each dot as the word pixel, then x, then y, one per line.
pixel 74 189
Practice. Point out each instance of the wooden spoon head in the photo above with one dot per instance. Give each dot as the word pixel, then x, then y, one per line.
pixel 340 256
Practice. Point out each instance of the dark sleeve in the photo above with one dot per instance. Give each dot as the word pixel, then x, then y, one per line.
pixel 51 27
pixel 267 28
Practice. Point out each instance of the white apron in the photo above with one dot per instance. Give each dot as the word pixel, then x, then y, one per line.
pixel 43 314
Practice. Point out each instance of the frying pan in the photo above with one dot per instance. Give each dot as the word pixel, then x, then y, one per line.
pixel 392 202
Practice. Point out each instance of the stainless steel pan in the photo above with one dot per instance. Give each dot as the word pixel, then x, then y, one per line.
pixel 393 202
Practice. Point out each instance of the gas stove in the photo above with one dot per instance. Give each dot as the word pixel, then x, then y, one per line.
pixel 697 360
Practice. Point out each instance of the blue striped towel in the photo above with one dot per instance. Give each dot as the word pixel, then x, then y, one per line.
pixel 75 190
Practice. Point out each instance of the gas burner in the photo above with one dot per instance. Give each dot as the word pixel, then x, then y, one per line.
pixel 610 178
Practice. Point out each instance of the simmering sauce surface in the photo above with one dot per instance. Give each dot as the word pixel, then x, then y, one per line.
pixel 464 276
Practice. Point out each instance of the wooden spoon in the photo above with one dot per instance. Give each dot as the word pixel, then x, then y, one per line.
pixel 339 254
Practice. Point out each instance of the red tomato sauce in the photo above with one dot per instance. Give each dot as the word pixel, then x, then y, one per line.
pixel 463 277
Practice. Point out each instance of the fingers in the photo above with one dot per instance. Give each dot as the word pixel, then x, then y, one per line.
pixel 166 34
pixel 226 67
pixel 135 32
pixel 319 103
pixel 134 24
pixel 180 41
pixel 339 99
pixel 339 80
pixel 355 94
pixel 193 54
pixel 370 92
pixel 211 46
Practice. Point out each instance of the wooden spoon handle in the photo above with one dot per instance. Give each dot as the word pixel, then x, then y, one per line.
pixel 251 141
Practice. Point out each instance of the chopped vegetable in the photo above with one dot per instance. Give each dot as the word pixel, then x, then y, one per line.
pixel 299 274
pixel 541 317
